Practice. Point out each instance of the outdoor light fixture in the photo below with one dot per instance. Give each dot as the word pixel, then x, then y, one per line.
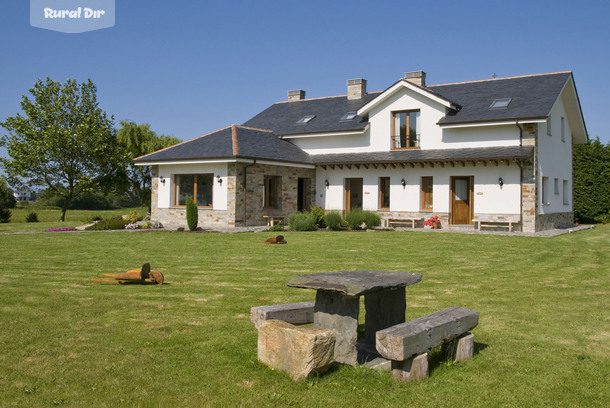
pixel 219 179
pixel 500 182
pixel 403 183
pixel 162 180
pixel 326 183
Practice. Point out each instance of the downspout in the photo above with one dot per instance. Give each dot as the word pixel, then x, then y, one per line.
pixel 245 184
pixel 520 176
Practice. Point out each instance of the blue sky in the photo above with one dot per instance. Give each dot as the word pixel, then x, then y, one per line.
pixel 190 67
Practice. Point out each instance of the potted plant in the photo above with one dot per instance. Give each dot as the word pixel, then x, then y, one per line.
pixel 433 222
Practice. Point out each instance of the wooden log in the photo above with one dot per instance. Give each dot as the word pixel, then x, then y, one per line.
pixel 404 340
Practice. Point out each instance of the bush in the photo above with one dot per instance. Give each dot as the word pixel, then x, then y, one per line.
pixel 31 217
pixel 354 219
pixel 5 215
pixel 133 217
pixel 192 216
pixel 371 219
pixel 114 223
pixel 333 220
pixel 603 219
pixel 317 214
pixel 277 227
pixel 301 222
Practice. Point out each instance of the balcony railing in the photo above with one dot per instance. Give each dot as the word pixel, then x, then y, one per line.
pixel 404 142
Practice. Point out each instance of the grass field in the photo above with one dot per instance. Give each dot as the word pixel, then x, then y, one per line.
pixel 543 337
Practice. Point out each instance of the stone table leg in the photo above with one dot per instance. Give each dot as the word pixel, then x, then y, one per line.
pixel 339 313
pixel 384 309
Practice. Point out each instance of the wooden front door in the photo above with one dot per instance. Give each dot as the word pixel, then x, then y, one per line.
pixel 353 193
pixel 461 200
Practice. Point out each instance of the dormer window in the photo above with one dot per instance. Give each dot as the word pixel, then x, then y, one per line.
pixel 405 130
pixel 349 116
pixel 306 119
pixel 500 103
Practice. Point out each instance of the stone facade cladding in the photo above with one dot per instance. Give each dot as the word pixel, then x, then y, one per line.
pixel 555 220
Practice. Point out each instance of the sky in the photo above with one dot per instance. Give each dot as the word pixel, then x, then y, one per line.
pixel 190 67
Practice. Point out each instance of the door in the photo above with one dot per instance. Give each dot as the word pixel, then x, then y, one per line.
pixel 461 200
pixel 353 193
pixel 303 194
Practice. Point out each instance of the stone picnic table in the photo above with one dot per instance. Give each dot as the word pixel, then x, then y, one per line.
pixel 337 304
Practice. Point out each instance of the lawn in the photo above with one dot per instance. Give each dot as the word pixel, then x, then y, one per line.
pixel 543 338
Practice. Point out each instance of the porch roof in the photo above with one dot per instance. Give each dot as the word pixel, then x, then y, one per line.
pixel 411 157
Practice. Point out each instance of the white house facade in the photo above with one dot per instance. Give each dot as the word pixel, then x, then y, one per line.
pixel 494 150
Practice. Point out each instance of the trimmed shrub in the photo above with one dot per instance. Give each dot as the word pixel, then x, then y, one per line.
pixel 317 214
pixel 114 223
pixel 192 215
pixel 31 217
pixel 354 219
pixel 5 215
pixel 277 227
pixel 301 222
pixel 371 219
pixel 333 220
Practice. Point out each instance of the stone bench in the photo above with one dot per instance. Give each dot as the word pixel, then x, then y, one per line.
pixel 406 344
pixel 508 223
pixel 294 313
pixel 403 222
pixel 272 220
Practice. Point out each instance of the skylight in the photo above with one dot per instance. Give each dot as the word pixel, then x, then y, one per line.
pixel 306 119
pixel 500 103
pixel 349 116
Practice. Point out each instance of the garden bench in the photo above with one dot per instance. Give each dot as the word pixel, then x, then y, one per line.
pixel 481 222
pixel 272 220
pixel 403 222
pixel 293 313
pixel 406 344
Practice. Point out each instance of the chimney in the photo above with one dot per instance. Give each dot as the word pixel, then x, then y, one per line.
pixel 297 95
pixel 416 77
pixel 356 88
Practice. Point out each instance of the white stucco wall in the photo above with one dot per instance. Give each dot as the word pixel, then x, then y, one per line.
pixel 555 162
pixel 219 198
pixel 478 136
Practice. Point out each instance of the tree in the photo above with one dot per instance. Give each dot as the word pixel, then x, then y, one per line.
pixel 5 213
pixel 135 141
pixel 63 141
pixel 591 180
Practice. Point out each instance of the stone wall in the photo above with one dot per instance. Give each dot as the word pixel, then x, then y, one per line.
pixel 555 220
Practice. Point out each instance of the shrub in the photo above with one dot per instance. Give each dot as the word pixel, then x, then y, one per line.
pixel 371 219
pixel 301 222
pixel 133 217
pixel 333 220
pixel 5 215
pixel 603 219
pixel 31 217
pixel 114 223
pixel 354 219
pixel 317 214
pixel 277 227
pixel 192 216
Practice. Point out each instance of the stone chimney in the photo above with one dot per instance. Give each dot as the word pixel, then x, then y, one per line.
pixel 416 77
pixel 297 95
pixel 356 88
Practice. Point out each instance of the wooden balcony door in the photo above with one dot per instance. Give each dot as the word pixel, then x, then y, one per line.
pixel 461 200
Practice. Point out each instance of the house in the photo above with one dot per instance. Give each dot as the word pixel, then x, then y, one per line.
pixel 24 194
pixel 495 149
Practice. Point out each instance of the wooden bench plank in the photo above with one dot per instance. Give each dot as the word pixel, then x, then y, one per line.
pixel 293 313
pixel 402 341
pixel 403 221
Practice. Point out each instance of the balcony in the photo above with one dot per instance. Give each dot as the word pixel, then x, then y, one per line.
pixel 405 142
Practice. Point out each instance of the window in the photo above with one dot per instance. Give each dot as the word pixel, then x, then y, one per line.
pixel 349 116
pixel 556 186
pixel 426 193
pixel 548 125
pixel 272 192
pixel 563 129
pixel 306 119
pixel 500 103
pixel 197 186
pixel 405 130
pixel 545 190
pixel 566 193
pixel 384 193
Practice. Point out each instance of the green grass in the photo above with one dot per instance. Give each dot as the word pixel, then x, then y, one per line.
pixel 543 337
pixel 48 218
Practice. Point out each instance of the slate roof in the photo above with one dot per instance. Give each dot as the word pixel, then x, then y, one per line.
pixel 532 97
pixel 282 117
pixel 426 156
pixel 232 142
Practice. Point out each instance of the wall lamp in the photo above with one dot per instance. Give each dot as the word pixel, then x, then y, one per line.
pixel 219 179
pixel 403 183
pixel 326 183
pixel 500 182
pixel 162 180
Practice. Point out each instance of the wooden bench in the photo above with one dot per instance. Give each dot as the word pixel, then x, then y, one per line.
pixel 293 313
pixel 403 222
pixel 502 222
pixel 406 344
pixel 272 220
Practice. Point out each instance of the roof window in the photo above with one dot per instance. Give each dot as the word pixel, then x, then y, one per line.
pixel 349 116
pixel 500 103
pixel 306 119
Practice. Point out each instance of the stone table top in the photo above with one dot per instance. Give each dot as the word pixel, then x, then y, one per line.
pixel 355 283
